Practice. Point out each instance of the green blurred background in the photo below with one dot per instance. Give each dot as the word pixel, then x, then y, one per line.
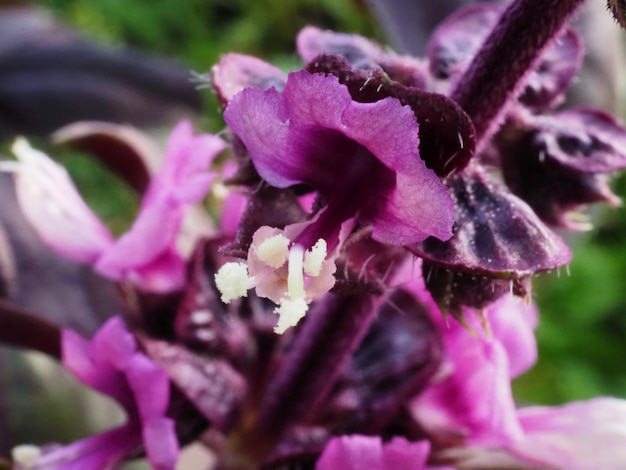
pixel 582 327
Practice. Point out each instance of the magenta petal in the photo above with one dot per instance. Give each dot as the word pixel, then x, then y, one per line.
pixel 513 322
pixel 400 453
pixel 165 273
pixel 420 206
pixel 104 450
pixel 159 437
pixel 147 253
pixel 351 453
pixel 579 436
pixel 93 363
pixel 111 364
pixel 150 385
pixel 153 233
pixel 259 118
pixel 186 173
pixel 359 452
pixel 474 404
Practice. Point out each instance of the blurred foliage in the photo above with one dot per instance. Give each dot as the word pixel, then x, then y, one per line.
pixel 198 31
pixel 582 327
pixel 93 180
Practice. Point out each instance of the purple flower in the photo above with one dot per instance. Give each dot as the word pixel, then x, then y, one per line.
pixel 111 364
pixel 362 158
pixel 145 255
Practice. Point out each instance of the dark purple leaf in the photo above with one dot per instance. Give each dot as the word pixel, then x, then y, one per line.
pixel 211 385
pixel 455 41
pixel 454 289
pixel 234 72
pixel 557 67
pixel 495 233
pixel 583 140
pixel 361 54
pixel 558 164
pixel 407 23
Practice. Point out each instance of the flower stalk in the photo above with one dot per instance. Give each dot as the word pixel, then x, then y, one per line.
pixel 494 76
pixel 335 327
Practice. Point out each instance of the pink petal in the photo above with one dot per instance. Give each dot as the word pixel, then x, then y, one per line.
pixel 50 202
pixel 579 436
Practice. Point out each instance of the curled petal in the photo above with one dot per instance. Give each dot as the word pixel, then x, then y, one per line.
pixel 147 254
pixel 152 234
pixel 360 156
pixel 50 202
pixel 446 133
pixel 578 436
pixel 185 173
pixel 162 448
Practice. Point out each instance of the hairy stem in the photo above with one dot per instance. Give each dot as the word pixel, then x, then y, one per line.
pixel 507 55
pixel 333 331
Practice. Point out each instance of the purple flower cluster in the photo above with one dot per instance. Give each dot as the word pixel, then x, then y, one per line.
pixel 368 200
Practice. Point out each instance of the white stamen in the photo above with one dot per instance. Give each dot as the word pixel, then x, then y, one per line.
pixel 295 274
pixel 25 455
pixel 274 251
pixel 233 281
pixel 290 312
pixel 315 257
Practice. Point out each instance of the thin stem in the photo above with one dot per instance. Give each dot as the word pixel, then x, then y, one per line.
pixel 333 331
pixel 24 329
pixel 507 55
